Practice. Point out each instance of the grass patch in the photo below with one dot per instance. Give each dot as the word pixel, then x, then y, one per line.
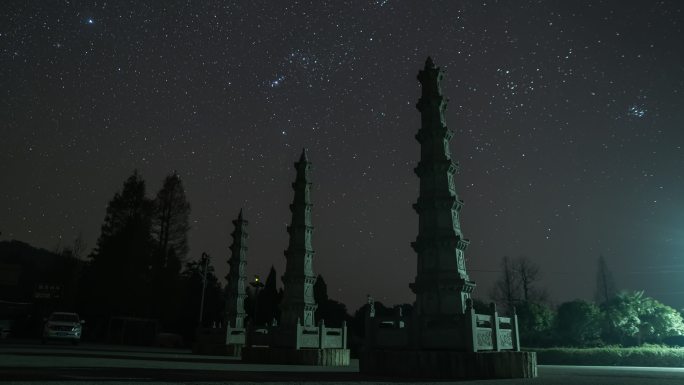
pixel 652 355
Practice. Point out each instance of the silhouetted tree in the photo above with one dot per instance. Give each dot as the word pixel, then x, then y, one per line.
pixel 170 232
pixel 527 275
pixel 331 311
pixel 507 288
pixel 320 291
pixel 249 304
pixel 120 274
pixel 170 222
pixel 268 308
pixel 214 299
pixel 605 286
pixel 68 267
pixel 321 297
pixel 517 283
pixel 79 246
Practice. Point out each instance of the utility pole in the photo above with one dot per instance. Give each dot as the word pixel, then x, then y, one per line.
pixel 205 260
pixel 257 285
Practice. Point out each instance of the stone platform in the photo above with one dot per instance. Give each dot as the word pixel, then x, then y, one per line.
pixel 285 356
pixel 444 364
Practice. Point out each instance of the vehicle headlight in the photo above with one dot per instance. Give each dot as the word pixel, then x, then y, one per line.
pixel 76 329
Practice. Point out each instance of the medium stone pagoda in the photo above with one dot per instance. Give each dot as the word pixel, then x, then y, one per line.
pixel 236 294
pixel 297 339
pixel 298 304
pixel 444 338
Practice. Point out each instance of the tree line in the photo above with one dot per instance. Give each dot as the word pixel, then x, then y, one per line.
pixel 627 318
pixel 139 266
pixel 139 270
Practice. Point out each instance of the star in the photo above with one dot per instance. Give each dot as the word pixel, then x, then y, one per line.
pixel 277 81
pixel 636 111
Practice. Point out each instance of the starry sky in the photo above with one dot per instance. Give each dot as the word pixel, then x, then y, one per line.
pixel 568 118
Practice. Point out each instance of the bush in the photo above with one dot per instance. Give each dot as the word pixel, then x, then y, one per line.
pixel 535 323
pixel 647 355
pixel 630 318
pixel 578 323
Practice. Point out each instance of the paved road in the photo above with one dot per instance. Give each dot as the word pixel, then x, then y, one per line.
pixel 89 364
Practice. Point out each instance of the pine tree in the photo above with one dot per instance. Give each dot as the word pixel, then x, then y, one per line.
pixel 605 286
pixel 268 300
pixel 170 223
pixel 332 312
pixel 320 291
pixel 170 234
pixel 122 260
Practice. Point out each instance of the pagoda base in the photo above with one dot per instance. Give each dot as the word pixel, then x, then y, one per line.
pixel 447 364
pixel 289 356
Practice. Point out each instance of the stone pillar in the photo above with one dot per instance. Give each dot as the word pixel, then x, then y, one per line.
pixel 514 331
pixel 495 327
pixel 321 334
pixel 299 278
pixel 471 326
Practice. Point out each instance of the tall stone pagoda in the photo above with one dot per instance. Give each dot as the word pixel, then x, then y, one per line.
pixel 442 286
pixel 444 338
pixel 236 294
pixel 299 306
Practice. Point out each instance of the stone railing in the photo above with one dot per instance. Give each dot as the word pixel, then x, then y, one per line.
pixel 492 332
pixel 386 331
pixel 321 336
pixel 234 335
pixel 472 332
pixel 259 337
pixel 300 337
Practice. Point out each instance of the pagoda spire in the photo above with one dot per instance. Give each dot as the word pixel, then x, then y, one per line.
pixel 442 285
pixel 298 304
pixel 235 309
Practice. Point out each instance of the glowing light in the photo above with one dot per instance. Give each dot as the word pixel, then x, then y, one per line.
pixel 90 21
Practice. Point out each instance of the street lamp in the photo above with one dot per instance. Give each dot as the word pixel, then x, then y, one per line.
pixel 205 260
pixel 257 285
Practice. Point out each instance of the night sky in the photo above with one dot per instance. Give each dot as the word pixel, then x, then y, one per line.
pixel 569 120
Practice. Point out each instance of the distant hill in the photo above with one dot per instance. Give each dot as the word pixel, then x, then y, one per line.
pixel 29 274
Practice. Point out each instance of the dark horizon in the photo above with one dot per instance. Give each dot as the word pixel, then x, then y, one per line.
pixel 567 118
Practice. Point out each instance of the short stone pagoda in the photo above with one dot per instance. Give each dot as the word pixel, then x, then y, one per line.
pixel 445 338
pixel 229 339
pixel 235 289
pixel 297 339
